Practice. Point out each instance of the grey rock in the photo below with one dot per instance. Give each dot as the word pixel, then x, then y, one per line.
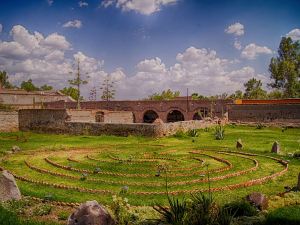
pixel 259 200
pixel 276 147
pixel 239 144
pixel 91 213
pixel 15 149
pixel 8 187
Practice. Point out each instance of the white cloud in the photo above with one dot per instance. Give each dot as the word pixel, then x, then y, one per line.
pixel 50 2
pixel 73 23
pixel 294 34
pixel 83 4
pixel 252 50
pixel 237 44
pixel 1 27
pixel 145 7
pixel 236 29
pixel 56 41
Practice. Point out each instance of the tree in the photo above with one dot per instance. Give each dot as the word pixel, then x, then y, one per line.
pixel 236 95
pixel 72 92
pixel 285 68
pixel 254 89
pixel 93 94
pixel 28 86
pixel 78 81
pixel 108 91
pixel 4 83
pixel 275 94
pixel 46 87
pixel 164 95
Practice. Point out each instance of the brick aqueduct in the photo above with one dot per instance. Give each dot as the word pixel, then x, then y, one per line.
pixel 147 111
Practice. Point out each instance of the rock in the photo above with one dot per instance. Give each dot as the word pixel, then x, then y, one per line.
pixel 276 147
pixel 8 187
pixel 259 200
pixel 91 213
pixel 15 149
pixel 239 144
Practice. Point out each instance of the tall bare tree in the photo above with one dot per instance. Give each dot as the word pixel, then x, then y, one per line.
pixel 108 90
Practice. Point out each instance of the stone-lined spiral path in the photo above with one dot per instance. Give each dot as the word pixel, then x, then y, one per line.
pixel 142 173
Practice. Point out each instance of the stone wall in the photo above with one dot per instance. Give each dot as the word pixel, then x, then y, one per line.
pixel 56 121
pixel 9 121
pixel 265 113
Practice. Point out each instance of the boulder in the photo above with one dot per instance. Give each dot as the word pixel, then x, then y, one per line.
pixel 239 144
pixel 259 200
pixel 275 147
pixel 91 213
pixel 15 149
pixel 8 187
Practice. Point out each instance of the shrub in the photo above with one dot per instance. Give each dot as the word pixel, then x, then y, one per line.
pixel 179 134
pixel 121 210
pixel 219 132
pixel 297 154
pixel 42 210
pixel 259 126
pixel 83 176
pixel 241 208
pixel 63 215
pixel 193 133
pixel 284 216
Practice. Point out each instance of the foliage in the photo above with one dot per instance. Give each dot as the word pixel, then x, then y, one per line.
pixel 193 133
pixel 17 206
pixel 219 132
pixel 120 208
pixel 180 134
pixel 7 108
pixel 77 82
pixel 108 91
pixel 72 92
pixel 164 95
pixel 236 95
pixel 175 213
pixel 297 154
pixel 63 215
pixel 46 87
pixel 196 96
pixel 285 68
pixel 241 208
pixel 275 94
pixel 42 210
pixel 259 126
pixel 284 216
pixel 28 86
pixel 4 83
pixel 253 89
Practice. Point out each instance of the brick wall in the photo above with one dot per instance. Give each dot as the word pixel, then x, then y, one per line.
pixel 9 121
pixel 267 113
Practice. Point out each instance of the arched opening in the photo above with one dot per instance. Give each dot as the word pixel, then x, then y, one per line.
pixel 174 116
pixel 201 114
pixel 150 116
pixel 99 117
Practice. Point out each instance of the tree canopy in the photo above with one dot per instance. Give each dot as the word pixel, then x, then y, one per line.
pixel 4 83
pixel 28 86
pixel 164 95
pixel 285 68
pixel 72 92
pixel 253 89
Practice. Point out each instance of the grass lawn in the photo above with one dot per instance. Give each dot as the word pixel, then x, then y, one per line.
pixel 97 167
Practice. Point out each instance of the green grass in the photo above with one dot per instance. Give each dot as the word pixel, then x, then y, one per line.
pixel 175 155
pixel 289 215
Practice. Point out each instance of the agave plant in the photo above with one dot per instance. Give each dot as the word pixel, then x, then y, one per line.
pixel 219 132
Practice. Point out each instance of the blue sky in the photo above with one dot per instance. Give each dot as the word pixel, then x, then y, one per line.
pixel 145 46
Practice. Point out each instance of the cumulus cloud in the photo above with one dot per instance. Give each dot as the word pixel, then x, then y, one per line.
pixel 237 44
pixel 83 4
pixel 252 50
pixel 236 29
pixel 294 34
pixel 145 7
pixel 73 23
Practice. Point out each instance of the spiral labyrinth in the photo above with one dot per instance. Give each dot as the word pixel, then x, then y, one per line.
pixel 79 174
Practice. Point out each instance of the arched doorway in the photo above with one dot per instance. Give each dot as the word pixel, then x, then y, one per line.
pixel 99 117
pixel 201 114
pixel 174 116
pixel 150 116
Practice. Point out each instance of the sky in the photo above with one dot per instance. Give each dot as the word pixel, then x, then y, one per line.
pixel 145 46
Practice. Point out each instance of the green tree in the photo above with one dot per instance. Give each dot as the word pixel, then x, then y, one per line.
pixel 236 95
pixel 164 95
pixel 77 82
pixel 46 87
pixel 285 68
pixel 72 92
pixel 254 89
pixel 4 83
pixel 28 86
pixel 275 94
pixel 108 91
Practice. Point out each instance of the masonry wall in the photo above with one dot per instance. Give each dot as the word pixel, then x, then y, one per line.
pixel 267 113
pixel 56 121
pixel 9 121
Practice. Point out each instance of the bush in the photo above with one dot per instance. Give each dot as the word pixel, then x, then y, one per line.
pixel 259 126
pixel 289 215
pixel 42 210
pixel 120 208
pixel 193 133
pixel 179 134
pixel 297 154
pixel 63 215
pixel 241 208
pixel 219 132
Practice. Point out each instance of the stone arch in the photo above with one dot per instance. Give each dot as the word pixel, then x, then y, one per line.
pixel 150 116
pixel 99 117
pixel 175 115
pixel 200 113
